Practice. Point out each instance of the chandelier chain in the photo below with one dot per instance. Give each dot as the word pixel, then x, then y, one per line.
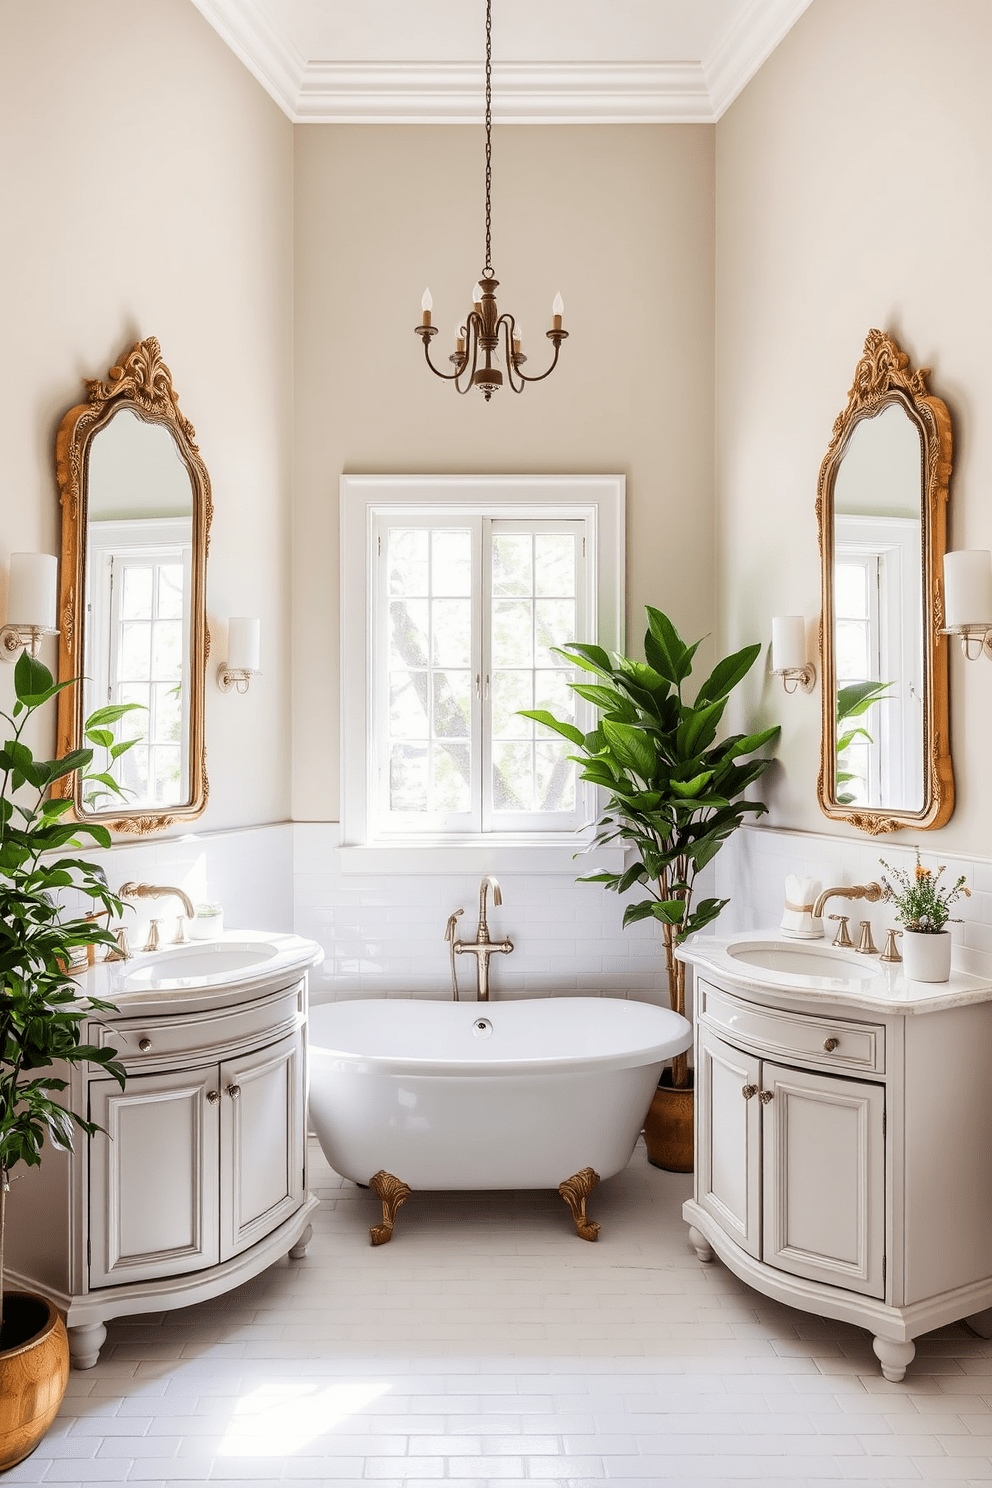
pixel 489 137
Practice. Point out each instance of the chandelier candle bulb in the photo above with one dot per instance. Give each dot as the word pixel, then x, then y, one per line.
pixel 31 590
pixel 244 644
pixel 788 643
pixel 426 305
pixel 557 310
pixel 968 588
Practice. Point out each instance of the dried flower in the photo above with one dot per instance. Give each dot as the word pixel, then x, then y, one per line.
pixel 921 904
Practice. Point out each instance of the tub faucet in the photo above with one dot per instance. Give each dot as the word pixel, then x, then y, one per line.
pixel 482 947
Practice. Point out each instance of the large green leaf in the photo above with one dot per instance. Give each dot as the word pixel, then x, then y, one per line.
pixel 671 656
pixel 727 673
pixel 542 716
pixel 33 682
pixel 632 747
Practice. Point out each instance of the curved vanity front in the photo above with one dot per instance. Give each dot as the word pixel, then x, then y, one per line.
pixel 200 1181
pixel 843 1126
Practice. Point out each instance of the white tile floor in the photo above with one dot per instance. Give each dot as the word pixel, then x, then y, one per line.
pixel 488 1343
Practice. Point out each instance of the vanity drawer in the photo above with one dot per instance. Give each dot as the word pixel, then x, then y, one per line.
pixel 209 1034
pixel 826 1043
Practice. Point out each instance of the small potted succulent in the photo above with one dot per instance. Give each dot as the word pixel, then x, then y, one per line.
pixel 923 906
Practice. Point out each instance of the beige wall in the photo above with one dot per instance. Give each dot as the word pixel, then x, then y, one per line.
pixel 620 219
pixel 146 189
pixel 852 192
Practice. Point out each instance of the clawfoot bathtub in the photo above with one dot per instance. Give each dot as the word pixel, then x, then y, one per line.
pixel 537 1093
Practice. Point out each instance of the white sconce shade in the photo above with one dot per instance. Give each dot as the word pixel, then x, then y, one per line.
pixel 789 653
pixel 31 592
pixel 244 644
pixel 788 643
pixel 968 588
pixel 31 603
pixel 244 653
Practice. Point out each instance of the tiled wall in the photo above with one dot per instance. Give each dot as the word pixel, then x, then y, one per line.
pixel 753 866
pixel 384 935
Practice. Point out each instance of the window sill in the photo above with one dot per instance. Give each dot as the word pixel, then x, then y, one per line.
pixel 478 855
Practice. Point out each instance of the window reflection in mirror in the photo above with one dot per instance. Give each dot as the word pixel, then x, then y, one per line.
pixel 139 543
pixel 878 615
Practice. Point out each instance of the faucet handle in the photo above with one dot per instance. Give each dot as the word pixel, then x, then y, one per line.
pixel 842 938
pixel 449 933
pixel 866 945
pixel 891 952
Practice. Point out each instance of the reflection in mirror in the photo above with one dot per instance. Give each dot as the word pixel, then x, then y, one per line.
pixel 881 509
pixel 878 614
pixel 136 511
pixel 139 547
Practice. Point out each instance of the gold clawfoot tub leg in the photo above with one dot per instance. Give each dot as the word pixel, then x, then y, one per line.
pixel 575 1191
pixel 392 1192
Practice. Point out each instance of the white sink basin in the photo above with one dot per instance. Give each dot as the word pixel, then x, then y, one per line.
pixel 816 962
pixel 198 966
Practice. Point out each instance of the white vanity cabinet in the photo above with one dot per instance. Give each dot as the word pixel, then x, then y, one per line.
pixel 843 1149
pixel 200 1181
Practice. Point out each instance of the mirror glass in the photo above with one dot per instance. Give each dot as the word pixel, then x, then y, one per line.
pixel 878 614
pixel 134 538
pixel 882 504
pixel 139 548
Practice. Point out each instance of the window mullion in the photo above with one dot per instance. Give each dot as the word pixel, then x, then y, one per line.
pixel 484 691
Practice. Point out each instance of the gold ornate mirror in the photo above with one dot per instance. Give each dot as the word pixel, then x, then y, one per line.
pixel 881 511
pixel 136 515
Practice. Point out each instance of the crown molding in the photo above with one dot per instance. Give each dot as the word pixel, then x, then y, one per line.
pixel 747 46
pixel 397 92
pixel 523 93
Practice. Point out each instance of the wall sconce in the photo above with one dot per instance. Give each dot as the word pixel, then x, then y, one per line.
pixel 30 603
pixel 968 600
pixel 244 646
pixel 789 653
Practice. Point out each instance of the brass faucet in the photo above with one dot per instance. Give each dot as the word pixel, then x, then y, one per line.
pixel 872 892
pixel 482 947
pixel 131 890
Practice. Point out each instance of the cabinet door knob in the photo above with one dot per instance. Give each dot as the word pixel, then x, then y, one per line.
pixel 765 1096
pixel 234 1091
pixel 830 1044
pixel 748 1090
pixel 213 1096
pixel 144 1045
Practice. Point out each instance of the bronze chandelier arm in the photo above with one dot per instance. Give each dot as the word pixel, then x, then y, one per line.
pixel 425 333
pixel 506 321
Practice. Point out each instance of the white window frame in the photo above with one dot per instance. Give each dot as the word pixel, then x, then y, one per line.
pixel 599 502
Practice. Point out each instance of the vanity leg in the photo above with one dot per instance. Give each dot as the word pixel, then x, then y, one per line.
pixel 895 1357
pixel 299 1250
pixel 700 1244
pixel 575 1191
pixel 85 1344
pixel 392 1192
pixel 981 1323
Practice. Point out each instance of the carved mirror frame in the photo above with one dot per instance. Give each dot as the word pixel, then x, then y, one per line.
pixel 884 377
pixel 142 383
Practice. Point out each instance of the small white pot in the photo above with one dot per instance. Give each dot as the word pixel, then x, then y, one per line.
pixel 926 958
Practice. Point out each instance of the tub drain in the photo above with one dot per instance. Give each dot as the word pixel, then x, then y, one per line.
pixel 482 1028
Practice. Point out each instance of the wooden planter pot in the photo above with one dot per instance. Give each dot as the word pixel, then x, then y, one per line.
pixel 668 1126
pixel 34 1372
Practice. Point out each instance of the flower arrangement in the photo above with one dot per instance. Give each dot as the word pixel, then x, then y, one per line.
pixel 921 903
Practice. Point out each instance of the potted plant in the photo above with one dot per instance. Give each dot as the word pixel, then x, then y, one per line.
pixel 674 795
pixel 40 1017
pixel 924 907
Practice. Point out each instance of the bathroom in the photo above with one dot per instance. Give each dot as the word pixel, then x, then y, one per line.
pixel 719 280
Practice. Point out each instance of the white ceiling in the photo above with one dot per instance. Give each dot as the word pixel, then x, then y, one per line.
pixel 554 61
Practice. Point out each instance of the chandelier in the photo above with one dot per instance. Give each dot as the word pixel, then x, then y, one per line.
pixel 478 340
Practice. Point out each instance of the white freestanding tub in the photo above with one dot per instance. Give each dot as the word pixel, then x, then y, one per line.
pixel 485 1095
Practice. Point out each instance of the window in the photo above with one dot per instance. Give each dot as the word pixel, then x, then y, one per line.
pixel 465 588
pixel 138 647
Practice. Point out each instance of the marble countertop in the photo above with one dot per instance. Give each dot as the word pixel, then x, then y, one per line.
pixel 860 981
